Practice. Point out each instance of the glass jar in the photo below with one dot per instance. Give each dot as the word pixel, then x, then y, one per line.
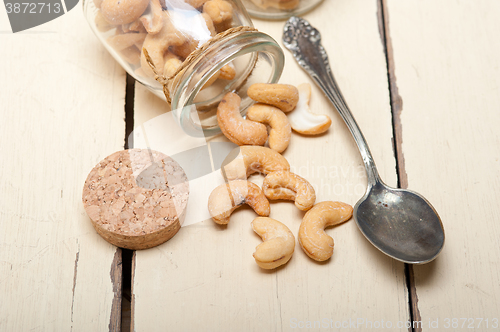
pixel 198 51
pixel 279 9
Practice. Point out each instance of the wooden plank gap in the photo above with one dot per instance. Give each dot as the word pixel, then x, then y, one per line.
pixel 116 280
pixel 127 254
pixel 397 140
pixel 132 300
pixel 74 281
pixel 395 98
pixel 129 112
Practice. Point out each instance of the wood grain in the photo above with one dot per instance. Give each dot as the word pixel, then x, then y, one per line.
pixel 447 58
pixel 63 98
pixel 205 278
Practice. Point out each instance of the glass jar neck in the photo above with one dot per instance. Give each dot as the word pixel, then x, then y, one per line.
pixel 188 83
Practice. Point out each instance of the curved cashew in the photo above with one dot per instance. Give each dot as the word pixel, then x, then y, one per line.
pixel 219 10
pixel 251 159
pixel 278 245
pixel 289 186
pixel 312 237
pixel 152 18
pixel 157 44
pixel 123 11
pixel 234 127
pixel 302 120
pixel 228 197
pixel 283 96
pixel 280 133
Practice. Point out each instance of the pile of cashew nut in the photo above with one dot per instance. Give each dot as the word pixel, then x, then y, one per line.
pixel 169 30
pixel 282 108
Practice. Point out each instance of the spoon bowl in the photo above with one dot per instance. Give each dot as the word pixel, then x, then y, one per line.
pixel 399 222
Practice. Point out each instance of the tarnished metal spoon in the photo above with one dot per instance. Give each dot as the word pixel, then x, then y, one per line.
pixel 400 223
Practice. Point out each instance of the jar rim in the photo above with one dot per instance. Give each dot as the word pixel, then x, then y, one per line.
pixel 227 49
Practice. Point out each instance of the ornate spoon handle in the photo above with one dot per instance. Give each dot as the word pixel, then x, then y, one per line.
pixel 304 41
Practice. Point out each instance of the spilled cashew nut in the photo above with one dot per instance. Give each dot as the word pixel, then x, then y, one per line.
pixel 234 127
pixel 312 237
pixel 303 120
pixel 289 186
pixel 280 133
pixel 247 160
pixel 228 197
pixel 278 245
pixel 283 96
pixel 123 11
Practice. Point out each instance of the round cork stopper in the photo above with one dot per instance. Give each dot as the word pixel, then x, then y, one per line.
pixel 136 199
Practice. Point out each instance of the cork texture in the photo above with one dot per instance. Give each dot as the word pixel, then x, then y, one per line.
pixel 136 199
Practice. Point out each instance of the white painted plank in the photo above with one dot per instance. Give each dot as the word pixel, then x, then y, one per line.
pixel 63 111
pixel 205 278
pixel 447 59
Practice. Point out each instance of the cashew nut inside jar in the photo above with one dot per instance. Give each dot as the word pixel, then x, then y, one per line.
pixel 200 49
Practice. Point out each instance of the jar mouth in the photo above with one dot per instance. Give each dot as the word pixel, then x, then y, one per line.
pixel 262 56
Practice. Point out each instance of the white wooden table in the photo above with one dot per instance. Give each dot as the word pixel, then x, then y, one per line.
pixel 422 78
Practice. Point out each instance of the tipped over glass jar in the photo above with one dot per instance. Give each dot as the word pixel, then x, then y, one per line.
pixel 188 52
pixel 279 9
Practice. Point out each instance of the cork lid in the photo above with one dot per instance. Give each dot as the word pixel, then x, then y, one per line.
pixel 136 199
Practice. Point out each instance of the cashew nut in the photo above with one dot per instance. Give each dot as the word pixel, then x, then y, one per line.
pixel 289 186
pixel 219 10
pixel 278 245
pixel 172 63
pixel 135 26
pixel 280 133
pixel 123 11
pixel 234 127
pixel 283 96
pixel 186 48
pixel 228 72
pixel 312 237
pixel 247 160
pixel 157 44
pixel 302 120
pixel 228 197
pixel 152 19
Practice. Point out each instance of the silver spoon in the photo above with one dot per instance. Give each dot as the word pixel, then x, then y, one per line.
pixel 400 223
